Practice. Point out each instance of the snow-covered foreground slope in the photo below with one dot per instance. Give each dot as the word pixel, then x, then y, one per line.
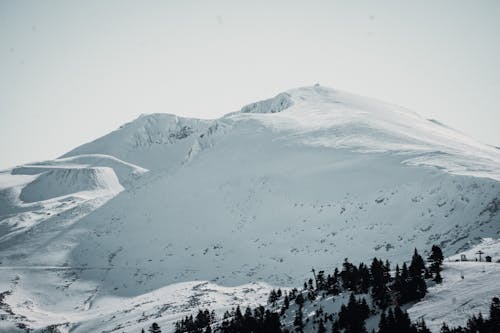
pixel 456 299
pixel 453 301
pixel 304 179
pixel 76 311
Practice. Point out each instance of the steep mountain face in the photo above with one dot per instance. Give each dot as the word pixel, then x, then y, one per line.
pixel 303 179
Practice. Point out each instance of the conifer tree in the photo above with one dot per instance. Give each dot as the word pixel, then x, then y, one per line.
pixel 273 297
pixel 494 320
pixel 321 326
pixel 436 258
pixel 382 324
pixel 299 300
pixel 297 322
pixel 154 328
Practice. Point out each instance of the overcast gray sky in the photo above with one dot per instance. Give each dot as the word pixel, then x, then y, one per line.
pixel 71 71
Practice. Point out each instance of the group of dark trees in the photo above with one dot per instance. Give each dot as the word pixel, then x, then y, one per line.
pixel 234 321
pixel 353 315
pixel 388 292
pixel 350 319
pixel 407 285
pixel 477 324
pixel 398 321
pixel 198 324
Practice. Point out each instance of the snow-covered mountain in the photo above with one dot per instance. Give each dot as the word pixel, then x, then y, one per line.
pixel 303 179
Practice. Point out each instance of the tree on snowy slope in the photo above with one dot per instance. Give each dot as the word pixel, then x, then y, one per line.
pixel 261 320
pixel 273 297
pixel 495 313
pixel 417 286
pixel 352 317
pixel 409 283
pixel 154 328
pixel 398 321
pixel 379 280
pixel 436 260
pixel 321 326
pixel 197 324
pixel 298 321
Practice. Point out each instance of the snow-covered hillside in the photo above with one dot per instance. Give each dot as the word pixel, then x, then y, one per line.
pixel 303 179
pixel 457 299
pixel 453 302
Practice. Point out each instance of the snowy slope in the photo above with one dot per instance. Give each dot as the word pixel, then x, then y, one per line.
pixel 303 179
pixel 453 301
pixel 457 299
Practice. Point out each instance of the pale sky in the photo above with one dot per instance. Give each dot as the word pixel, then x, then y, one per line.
pixel 71 71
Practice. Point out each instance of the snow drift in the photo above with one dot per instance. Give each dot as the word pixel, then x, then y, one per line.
pixel 60 182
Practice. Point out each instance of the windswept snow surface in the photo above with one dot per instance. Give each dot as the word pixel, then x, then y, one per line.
pixel 303 179
pixel 320 116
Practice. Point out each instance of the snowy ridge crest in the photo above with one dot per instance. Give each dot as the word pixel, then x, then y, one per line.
pixel 276 104
pixel 158 130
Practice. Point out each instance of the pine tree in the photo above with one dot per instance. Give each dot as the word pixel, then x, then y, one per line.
pixel 382 324
pixel 320 281
pixel 436 258
pixel 154 328
pixel 364 278
pixel 378 281
pixel 412 285
pixel 417 266
pixel 299 300
pixel 352 317
pixel 321 326
pixel 297 322
pixel 387 272
pixel 400 323
pixel 273 297
pixel 495 315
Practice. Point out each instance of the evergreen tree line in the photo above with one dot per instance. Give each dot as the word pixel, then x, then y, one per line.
pixel 388 292
pixel 259 319
pixel 407 285
pixel 350 320
pixel 198 324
